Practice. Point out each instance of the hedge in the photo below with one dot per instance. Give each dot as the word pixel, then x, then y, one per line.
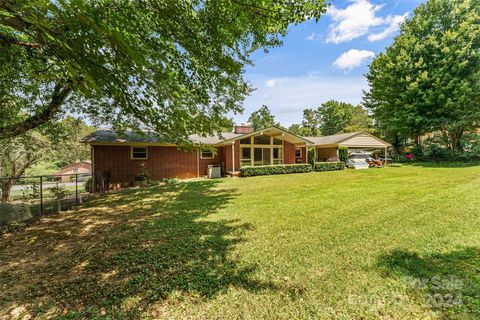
pixel 329 166
pixel 251 171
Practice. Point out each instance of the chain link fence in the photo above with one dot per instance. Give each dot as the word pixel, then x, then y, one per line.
pixel 27 197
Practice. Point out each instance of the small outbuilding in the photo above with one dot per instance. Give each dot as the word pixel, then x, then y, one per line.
pixel 79 167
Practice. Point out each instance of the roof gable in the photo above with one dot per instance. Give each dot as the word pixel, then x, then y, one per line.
pixel 274 132
pixel 350 139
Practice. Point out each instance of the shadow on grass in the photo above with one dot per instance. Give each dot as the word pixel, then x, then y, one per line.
pixel 121 255
pixel 448 283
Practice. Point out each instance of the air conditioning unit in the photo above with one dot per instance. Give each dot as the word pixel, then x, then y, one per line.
pixel 214 171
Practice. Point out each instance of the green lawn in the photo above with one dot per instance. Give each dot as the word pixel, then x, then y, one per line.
pixel 393 243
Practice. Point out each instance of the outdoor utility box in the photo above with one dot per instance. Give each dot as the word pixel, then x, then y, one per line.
pixel 214 171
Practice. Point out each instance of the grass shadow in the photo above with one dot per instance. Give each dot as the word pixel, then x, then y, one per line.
pixel 118 256
pixel 448 283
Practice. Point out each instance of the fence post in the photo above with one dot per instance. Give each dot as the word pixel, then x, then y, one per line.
pixel 41 195
pixel 76 188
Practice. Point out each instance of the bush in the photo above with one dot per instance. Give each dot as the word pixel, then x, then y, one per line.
pixel 250 171
pixel 312 156
pixel 88 185
pixel 343 154
pixel 329 166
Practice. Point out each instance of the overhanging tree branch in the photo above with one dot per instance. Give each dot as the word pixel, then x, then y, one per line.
pixel 60 94
pixel 15 41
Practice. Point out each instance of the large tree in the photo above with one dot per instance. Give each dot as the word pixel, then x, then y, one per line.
pixel 66 145
pixel 173 66
pixel 335 116
pixel 360 121
pixel 429 78
pixel 57 142
pixel 17 155
pixel 262 118
pixel 299 130
pixel 311 122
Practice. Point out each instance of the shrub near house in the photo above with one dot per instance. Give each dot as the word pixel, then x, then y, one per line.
pixel 329 166
pixel 251 171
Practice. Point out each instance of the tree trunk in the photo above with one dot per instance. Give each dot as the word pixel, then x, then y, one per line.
pixel 6 187
pixel 455 137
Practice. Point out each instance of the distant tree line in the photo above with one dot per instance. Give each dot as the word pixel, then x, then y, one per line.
pixel 329 118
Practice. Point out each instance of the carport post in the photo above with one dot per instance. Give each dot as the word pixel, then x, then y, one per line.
pixel 385 162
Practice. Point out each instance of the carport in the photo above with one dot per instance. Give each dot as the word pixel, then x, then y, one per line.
pixel 327 146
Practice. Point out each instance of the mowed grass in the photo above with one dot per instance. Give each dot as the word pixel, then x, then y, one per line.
pixel 393 243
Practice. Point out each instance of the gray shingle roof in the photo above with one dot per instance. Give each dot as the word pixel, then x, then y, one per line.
pixel 333 139
pixel 110 136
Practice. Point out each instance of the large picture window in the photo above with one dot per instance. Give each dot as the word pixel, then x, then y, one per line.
pixel 261 139
pixel 261 150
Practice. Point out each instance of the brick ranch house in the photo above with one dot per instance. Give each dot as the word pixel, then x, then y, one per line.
pixel 124 156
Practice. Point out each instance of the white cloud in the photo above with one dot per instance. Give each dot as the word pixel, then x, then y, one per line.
pixel 357 19
pixel 394 24
pixel 314 36
pixel 352 22
pixel 275 82
pixel 288 101
pixel 353 58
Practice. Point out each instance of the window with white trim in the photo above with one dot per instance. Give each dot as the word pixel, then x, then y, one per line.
pixel 298 153
pixel 207 154
pixel 139 153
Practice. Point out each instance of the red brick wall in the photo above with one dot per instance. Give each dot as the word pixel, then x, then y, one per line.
pixel 162 162
pixel 243 129
pixel 228 156
pixel 288 153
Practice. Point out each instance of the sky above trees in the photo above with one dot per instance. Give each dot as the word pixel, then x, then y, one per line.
pixel 324 60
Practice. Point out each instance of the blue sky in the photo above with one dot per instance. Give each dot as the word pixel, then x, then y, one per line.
pixel 324 60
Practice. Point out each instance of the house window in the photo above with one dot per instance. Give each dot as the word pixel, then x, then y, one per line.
pixel 277 142
pixel 277 155
pixel 139 153
pixel 261 139
pixel 246 157
pixel 207 154
pixel 245 141
pixel 298 153
pixel 261 150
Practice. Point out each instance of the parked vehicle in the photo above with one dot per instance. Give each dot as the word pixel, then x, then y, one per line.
pixel 359 160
